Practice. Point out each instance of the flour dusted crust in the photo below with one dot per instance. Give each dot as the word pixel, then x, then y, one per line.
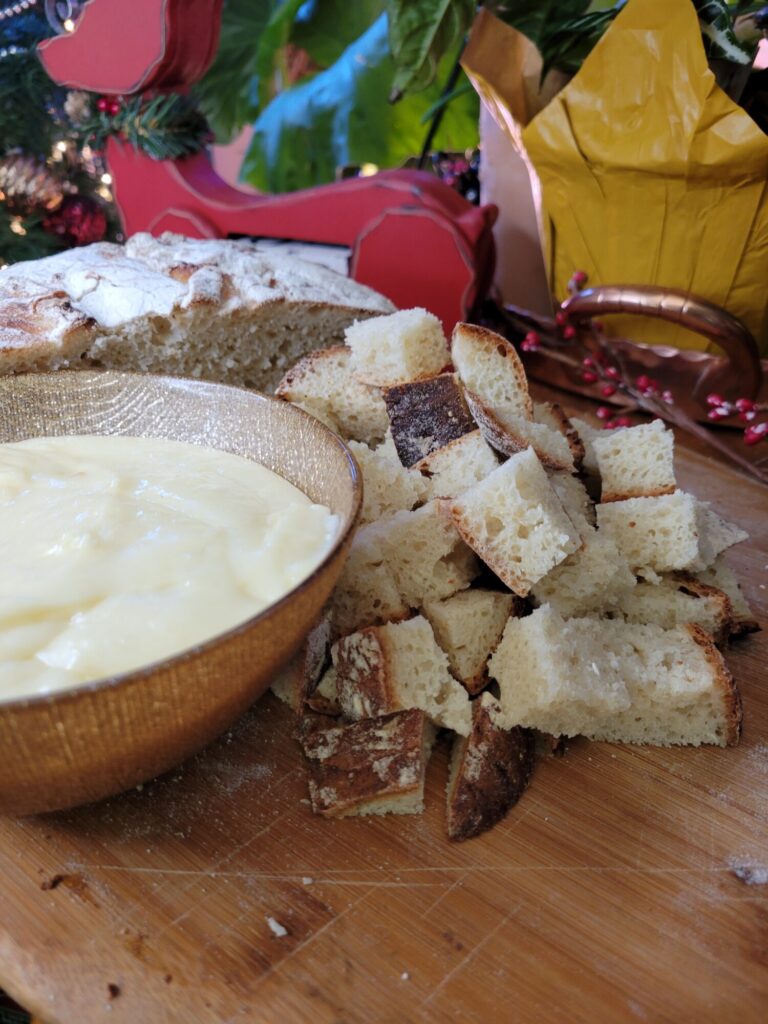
pixel 425 415
pixel 490 769
pixel 210 308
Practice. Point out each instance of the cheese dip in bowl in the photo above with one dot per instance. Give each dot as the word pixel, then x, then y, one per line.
pixel 166 546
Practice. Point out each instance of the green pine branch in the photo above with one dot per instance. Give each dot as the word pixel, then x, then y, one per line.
pixel 165 127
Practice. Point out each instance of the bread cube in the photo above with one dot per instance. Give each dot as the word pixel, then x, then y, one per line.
pixel 591 580
pixel 468 626
pixel 427 414
pixel 322 384
pixel 388 487
pixel 677 600
pixel 400 347
pixel 454 468
pixel 659 534
pixel 615 681
pixel 425 554
pixel 489 771
pixel 490 368
pixel 721 576
pixel 516 523
pixel 374 766
pixel 636 462
pixel 389 668
pixel 366 593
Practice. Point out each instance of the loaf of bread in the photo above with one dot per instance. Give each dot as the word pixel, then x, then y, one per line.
pixel 489 770
pixel 375 766
pixel 636 462
pixel 516 523
pixel 615 681
pixel 323 385
pixel 389 668
pixel 403 346
pixel 215 309
pixel 468 626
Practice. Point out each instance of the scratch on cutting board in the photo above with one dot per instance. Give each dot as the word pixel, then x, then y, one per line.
pixel 471 954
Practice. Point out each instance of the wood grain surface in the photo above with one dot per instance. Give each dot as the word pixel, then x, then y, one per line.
pixel 629 884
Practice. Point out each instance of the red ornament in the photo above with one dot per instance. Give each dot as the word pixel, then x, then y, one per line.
pixel 114 107
pixel 102 104
pixel 79 220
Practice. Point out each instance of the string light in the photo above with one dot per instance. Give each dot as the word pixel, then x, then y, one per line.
pixel 17 227
pixel 12 51
pixel 17 8
pixel 106 178
pixel 368 170
pixel 69 25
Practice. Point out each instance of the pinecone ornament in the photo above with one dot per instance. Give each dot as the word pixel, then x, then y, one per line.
pixel 27 184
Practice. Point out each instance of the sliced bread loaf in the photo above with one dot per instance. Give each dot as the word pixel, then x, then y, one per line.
pixel 321 383
pixel 468 626
pixel 211 308
pixel 617 681
pixel 454 468
pixel 389 668
pixel 636 462
pixel 403 346
pixel 375 766
pixel 516 523
pixel 490 768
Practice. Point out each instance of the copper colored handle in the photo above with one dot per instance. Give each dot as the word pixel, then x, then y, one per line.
pixel 680 308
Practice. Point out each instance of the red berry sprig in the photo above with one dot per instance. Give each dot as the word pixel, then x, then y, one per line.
pixel 747 411
pixel 108 105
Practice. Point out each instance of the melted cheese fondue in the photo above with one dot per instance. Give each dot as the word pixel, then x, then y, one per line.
pixel 116 552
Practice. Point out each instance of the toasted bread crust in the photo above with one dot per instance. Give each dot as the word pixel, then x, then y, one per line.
pixel 426 415
pixel 606 497
pixel 509 360
pixel 366 767
pixel 505 440
pixel 689 584
pixel 490 772
pixel 363 675
pixel 732 706
pixel 569 432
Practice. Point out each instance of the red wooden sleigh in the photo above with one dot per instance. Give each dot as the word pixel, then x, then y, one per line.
pixel 409 235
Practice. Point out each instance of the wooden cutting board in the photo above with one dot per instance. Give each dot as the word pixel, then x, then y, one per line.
pixel 629 884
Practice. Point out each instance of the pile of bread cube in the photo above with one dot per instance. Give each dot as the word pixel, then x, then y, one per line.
pixel 487 593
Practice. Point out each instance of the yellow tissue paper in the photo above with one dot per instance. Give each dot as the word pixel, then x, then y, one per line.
pixel 646 171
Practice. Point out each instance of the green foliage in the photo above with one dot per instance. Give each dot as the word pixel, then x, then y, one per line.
pixel 720 41
pixel 539 20
pixel 420 34
pixel 326 28
pixel 27 95
pixel 34 243
pixel 225 93
pixel 341 116
pixel 165 127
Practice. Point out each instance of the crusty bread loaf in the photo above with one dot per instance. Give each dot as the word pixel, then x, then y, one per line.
pixel 516 523
pixel 366 593
pixel 425 554
pixel 489 771
pixel 375 766
pixel 454 468
pixel 215 309
pixel 615 681
pixel 388 487
pixel 676 600
pixel 389 668
pixel 589 581
pixel 403 346
pixel 659 533
pixel 490 368
pixel 322 384
pixel 427 414
pixel 468 626
pixel 636 462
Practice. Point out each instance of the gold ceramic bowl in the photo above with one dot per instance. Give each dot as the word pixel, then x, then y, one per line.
pixel 82 744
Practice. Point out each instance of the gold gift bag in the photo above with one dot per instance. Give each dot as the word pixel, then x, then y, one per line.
pixel 646 172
